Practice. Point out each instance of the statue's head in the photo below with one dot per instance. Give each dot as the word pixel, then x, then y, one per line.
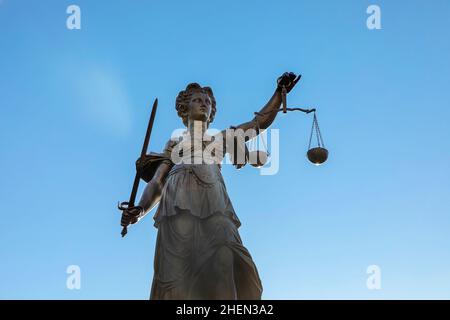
pixel 196 103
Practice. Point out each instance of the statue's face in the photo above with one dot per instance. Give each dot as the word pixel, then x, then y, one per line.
pixel 199 107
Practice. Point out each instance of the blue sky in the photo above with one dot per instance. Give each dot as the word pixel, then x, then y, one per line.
pixel 74 105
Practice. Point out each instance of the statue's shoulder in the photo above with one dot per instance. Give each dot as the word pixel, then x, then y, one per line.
pixel 149 164
pixel 172 142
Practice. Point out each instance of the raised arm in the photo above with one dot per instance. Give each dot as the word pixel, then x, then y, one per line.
pixel 267 114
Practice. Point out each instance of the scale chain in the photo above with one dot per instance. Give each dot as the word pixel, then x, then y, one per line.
pixel 318 131
pixel 311 134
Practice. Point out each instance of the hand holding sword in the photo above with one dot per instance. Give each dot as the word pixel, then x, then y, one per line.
pixel 130 212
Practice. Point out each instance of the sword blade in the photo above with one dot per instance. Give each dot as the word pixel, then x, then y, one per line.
pixel 137 177
pixel 148 133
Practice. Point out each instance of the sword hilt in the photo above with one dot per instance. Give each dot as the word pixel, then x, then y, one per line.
pixel 131 210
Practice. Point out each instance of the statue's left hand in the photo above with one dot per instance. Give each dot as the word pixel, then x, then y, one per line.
pixel 288 80
pixel 131 215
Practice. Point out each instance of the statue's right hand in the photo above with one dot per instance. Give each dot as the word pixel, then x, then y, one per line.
pixel 288 80
pixel 131 215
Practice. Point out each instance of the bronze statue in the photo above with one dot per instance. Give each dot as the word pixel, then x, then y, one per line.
pixel 199 253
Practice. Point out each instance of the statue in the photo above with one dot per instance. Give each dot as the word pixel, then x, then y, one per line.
pixel 199 253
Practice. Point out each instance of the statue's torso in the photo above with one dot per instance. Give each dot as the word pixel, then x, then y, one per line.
pixel 195 184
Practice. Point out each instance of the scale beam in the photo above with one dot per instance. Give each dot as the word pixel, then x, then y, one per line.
pixel 298 109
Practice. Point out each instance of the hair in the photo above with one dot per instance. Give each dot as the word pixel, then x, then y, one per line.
pixel 184 97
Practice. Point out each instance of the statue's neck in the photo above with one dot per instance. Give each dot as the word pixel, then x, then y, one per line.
pixel 197 128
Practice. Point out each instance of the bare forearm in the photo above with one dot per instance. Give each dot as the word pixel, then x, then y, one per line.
pixel 152 192
pixel 266 115
pixel 151 196
pixel 269 112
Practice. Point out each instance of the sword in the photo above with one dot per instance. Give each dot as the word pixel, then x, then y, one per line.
pixel 130 203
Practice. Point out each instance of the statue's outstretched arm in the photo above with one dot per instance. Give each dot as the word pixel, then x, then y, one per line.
pixel 267 114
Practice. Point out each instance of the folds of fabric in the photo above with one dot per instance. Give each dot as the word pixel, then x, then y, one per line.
pixel 195 189
pixel 186 258
pixel 196 225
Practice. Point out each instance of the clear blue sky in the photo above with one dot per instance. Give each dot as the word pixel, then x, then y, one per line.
pixel 73 111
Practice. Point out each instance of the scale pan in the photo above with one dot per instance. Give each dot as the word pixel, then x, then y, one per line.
pixel 257 158
pixel 317 155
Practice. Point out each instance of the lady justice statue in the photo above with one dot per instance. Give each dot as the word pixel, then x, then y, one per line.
pixel 199 253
